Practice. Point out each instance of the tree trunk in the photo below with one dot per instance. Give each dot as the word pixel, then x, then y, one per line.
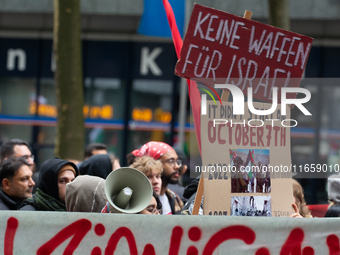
pixel 279 13
pixel 69 79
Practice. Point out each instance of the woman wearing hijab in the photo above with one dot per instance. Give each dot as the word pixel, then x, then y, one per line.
pixel 85 194
pixel 54 174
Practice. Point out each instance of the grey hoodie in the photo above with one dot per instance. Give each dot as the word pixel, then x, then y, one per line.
pixel 85 194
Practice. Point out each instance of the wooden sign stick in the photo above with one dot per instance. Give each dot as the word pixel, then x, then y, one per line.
pixel 247 14
pixel 198 198
pixel 224 97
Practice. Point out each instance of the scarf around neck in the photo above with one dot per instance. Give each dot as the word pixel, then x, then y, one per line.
pixel 43 202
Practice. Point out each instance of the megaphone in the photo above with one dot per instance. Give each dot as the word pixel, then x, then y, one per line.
pixel 127 190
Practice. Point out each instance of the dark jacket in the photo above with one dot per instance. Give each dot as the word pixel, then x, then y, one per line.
pixel 97 165
pixel 191 188
pixel 9 203
pixel 48 185
pixel 333 211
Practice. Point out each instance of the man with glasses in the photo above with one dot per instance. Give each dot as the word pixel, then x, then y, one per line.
pixel 178 187
pixel 17 148
pixel 171 203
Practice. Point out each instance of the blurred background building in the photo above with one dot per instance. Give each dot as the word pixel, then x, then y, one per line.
pixel 131 92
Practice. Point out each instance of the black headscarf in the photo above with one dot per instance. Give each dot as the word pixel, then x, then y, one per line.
pixel 48 175
pixel 97 165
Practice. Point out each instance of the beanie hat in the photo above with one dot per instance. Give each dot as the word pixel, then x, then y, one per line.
pixel 71 168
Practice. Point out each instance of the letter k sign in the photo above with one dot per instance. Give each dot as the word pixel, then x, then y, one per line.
pixel 147 61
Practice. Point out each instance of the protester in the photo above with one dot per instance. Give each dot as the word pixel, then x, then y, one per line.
pixel 19 148
pixel 154 207
pixel 152 169
pixel 300 200
pixel 55 173
pixel 98 165
pixel 95 149
pixel 85 194
pixel 16 183
pixel 178 188
pixel 171 203
pixel 333 196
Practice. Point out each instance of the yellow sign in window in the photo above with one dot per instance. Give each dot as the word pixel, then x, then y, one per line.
pixel 146 114
pixel 93 112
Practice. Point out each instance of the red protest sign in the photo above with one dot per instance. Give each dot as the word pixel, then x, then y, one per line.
pixel 221 48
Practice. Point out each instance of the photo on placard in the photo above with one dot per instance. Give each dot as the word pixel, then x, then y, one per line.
pixel 251 206
pixel 250 171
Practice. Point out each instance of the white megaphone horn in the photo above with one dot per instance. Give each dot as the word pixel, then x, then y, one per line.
pixel 127 190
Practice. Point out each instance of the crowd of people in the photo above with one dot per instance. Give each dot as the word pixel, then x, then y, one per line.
pixel 70 185
pixel 73 186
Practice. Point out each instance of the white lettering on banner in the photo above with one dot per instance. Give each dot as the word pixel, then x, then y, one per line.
pixel 147 61
pixel 12 56
pixel 200 21
pixel 266 43
pixel 209 30
pixel 227 32
pixel 235 36
pixel 187 61
pixel 93 233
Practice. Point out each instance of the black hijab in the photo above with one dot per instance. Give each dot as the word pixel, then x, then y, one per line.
pixel 48 175
pixel 97 165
